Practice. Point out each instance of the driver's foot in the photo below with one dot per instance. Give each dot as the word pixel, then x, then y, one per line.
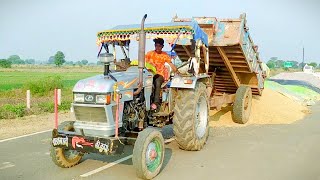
pixel 155 107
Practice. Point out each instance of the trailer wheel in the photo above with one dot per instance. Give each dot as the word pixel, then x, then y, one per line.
pixel 63 157
pixel 242 105
pixel 148 153
pixel 190 120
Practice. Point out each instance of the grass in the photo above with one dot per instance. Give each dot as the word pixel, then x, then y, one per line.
pixel 302 91
pixel 276 71
pixel 295 90
pixel 41 80
pixel 17 79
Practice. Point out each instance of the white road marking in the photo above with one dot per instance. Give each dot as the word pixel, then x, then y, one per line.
pixel 6 165
pixel 4 140
pixel 106 166
pixel 109 165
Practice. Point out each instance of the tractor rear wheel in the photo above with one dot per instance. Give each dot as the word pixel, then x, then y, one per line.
pixel 63 157
pixel 190 120
pixel 148 153
pixel 242 105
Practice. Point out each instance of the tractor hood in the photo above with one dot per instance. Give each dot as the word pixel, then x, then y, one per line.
pixel 103 84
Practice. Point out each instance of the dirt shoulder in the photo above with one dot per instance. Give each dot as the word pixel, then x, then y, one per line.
pixel 30 124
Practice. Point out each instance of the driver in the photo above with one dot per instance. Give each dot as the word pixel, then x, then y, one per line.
pixel 158 58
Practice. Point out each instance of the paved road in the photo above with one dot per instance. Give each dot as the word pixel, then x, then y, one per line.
pixel 253 152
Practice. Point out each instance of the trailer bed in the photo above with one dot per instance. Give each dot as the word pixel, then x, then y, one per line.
pixel 233 57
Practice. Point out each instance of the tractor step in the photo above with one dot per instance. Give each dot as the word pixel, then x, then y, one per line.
pixel 161 114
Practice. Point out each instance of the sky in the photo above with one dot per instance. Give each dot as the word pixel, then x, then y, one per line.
pixel 37 29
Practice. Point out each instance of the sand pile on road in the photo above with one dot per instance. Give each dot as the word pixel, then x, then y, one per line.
pixel 270 108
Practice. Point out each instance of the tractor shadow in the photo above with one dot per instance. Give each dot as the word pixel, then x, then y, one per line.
pixel 167 157
pixel 216 115
pixel 110 158
pixel 127 152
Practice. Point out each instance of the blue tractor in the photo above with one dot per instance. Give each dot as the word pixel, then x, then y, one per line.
pixel 112 109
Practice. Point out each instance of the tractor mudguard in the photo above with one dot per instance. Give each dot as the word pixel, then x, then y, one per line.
pixel 186 82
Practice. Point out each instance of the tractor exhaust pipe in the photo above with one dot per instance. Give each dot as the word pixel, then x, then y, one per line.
pixel 141 55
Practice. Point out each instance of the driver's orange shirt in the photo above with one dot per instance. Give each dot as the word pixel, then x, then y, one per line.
pixel 158 61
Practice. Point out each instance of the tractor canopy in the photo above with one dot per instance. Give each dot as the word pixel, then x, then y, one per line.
pixel 181 33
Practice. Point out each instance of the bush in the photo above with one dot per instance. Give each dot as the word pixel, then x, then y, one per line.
pixel 5 63
pixel 286 68
pixel 45 85
pixel 9 111
pixel 49 106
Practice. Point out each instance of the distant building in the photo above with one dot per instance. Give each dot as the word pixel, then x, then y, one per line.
pixel 308 69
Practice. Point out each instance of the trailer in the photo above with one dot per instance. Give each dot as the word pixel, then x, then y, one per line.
pixel 233 64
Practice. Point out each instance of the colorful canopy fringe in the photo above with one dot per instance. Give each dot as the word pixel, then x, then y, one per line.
pixel 151 33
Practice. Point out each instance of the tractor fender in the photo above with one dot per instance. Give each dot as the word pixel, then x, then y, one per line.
pixel 187 82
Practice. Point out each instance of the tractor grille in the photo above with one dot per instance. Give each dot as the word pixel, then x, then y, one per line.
pixel 91 114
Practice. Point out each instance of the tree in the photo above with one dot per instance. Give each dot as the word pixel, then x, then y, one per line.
pixel 15 59
pixel 279 63
pixel 301 65
pixel 69 62
pixel 84 62
pixel 274 58
pixel 5 63
pixel 295 64
pixel 30 61
pixel 51 60
pixel 314 64
pixel 59 58
pixel 271 64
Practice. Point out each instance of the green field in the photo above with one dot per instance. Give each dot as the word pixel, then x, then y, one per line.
pixel 295 90
pixel 16 79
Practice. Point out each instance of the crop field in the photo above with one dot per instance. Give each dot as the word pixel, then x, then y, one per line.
pixel 41 80
pixel 17 77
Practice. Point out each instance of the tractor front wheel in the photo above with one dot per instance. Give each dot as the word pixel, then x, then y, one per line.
pixel 148 153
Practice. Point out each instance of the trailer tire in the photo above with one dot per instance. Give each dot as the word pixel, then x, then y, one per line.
pixel 242 105
pixel 148 153
pixel 190 120
pixel 63 157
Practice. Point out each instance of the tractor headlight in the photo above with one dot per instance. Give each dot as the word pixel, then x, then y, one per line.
pixel 100 98
pixel 103 99
pixel 78 97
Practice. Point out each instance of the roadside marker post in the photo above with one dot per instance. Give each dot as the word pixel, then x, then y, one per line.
pixel 56 108
pixel 28 99
pixel 59 97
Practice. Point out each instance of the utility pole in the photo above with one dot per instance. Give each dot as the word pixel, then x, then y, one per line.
pixel 302 57
pixel 303 54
